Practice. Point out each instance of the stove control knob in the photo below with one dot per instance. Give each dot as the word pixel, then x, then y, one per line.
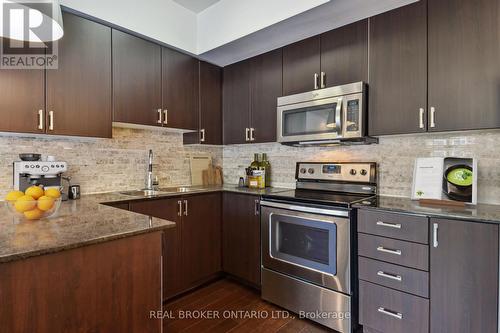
pixel 363 172
pixel 303 170
pixel 353 172
pixel 311 171
pixel 45 168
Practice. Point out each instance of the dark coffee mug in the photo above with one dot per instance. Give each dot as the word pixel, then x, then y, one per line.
pixel 74 192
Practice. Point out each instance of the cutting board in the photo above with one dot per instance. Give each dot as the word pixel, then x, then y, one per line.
pixel 212 176
pixel 199 163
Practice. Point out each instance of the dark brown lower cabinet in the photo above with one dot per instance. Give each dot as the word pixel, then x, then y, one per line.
pixel 241 236
pixel 463 277
pixel 191 250
pixel 106 287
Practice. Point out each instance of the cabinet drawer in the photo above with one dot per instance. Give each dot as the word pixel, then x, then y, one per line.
pixel 391 311
pixel 394 251
pixel 393 276
pixel 393 225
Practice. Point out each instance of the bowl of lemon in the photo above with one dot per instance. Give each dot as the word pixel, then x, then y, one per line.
pixel 34 203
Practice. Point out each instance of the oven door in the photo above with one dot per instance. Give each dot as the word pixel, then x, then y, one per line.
pixel 313 120
pixel 311 246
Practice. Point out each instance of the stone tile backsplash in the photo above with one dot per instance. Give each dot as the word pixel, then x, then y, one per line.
pixel 103 165
pixel 395 156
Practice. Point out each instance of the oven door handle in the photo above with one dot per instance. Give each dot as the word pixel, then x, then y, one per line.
pixel 306 209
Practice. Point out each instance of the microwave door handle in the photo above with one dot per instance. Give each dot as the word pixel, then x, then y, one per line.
pixel 338 117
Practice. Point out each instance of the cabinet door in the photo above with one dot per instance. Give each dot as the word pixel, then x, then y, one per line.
pixel 23 97
pixel 266 80
pixel 201 237
pixel 180 89
pixel 300 62
pixel 398 71
pixel 211 103
pixel 464 66
pixel 464 277
pixel 167 209
pixel 344 54
pixel 236 100
pixel 136 80
pixel 79 91
pixel 241 237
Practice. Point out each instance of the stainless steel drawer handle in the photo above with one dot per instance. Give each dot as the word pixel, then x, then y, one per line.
pixel 383 249
pixel 390 313
pixel 51 120
pixel 159 116
pixel 186 208
pixel 389 225
pixel 433 117
pixel 390 276
pixel 316 81
pixel 179 210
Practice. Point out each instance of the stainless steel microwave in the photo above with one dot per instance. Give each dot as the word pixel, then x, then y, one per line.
pixel 333 115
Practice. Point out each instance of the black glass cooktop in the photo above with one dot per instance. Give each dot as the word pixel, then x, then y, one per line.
pixel 319 197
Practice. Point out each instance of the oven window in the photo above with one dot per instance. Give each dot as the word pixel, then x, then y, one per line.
pixel 311 120
pixel 304 242
pixel 308 243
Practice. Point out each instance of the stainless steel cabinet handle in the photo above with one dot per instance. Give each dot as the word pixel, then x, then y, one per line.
pixel 433 117
pixel 186 208
pixel 257 207
pixel 202 135
pixel 389 225
pixel 159 116
pixel 421 118
pixel 247 134
pixel 390 276
pixel 165 116
pixel 40 119
pixel 383 249
pixel 252 131
pixel 435 242
pixel 51 120
pixel 390 313
pixel 323 80
pixel 315 81
pixel 179 208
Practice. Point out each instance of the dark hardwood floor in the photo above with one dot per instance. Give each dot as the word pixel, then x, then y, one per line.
pixel 231 307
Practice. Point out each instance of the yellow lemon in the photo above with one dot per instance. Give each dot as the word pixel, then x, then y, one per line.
pixel 34 191
pixel 33 214
pixel 52 192
pixel 45 203
pixel 25 203
pixel 13 195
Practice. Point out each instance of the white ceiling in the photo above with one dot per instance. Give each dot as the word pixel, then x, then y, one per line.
pixel 226 31
pixel 196 5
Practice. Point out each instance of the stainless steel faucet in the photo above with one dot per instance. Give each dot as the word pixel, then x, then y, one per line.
pixel 149 176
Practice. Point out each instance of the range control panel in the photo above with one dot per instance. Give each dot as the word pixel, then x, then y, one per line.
pixel 41 168
pixel 346 171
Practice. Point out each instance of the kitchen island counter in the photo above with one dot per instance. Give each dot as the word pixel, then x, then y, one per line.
pixel 78 222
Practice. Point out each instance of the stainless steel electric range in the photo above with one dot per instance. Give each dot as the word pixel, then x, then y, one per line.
pixel 308 242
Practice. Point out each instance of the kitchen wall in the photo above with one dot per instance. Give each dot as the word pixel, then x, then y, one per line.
pixel 103 165
pixel 394 154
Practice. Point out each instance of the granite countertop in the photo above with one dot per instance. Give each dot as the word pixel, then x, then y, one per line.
pixel 88 221
pixel 78 223
pixel 478 213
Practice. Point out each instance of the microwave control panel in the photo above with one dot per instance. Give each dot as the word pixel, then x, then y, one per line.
pixel 348 172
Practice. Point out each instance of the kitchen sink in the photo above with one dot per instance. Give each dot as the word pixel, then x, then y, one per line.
pixel 180 189
pixel 141 193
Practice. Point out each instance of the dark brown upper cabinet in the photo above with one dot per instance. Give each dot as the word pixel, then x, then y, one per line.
pixel 79 97
pixel 463 277
pixel 398 71
pixel 22 103
pixel 136 80
pixel 210 104
pixel 344 55
pixel 236 103
pixel 266 78
pixel 464 66
pixel 251 89
pixel 301 66
pixel 179 90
